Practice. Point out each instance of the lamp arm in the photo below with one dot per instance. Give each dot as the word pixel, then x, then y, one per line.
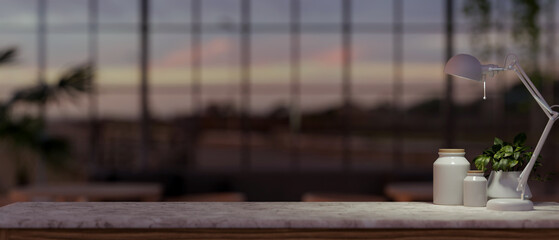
pixel 523 178
pixel 532 89
pixel 552 115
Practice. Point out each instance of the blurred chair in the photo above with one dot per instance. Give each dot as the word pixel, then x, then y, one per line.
pixel 210 197
pixel 340 197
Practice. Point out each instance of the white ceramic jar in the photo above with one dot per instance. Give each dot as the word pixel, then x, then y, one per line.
pixel 475 189
pixel 449 171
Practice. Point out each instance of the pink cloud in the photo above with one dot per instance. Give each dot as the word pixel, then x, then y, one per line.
pixel 334 56
pixel 218 50
pixel 211 51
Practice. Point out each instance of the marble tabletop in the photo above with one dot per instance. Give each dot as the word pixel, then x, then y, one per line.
pixel 342 215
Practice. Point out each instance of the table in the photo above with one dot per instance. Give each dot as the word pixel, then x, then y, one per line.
pixel 89 191
pixel 272 220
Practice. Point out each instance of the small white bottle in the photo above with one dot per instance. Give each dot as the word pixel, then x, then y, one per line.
pixel 449 171
pixel 475 189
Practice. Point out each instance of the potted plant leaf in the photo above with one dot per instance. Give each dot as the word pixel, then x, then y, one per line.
pixel 505 161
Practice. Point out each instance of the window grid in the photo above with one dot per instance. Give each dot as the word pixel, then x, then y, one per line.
pixel 245 30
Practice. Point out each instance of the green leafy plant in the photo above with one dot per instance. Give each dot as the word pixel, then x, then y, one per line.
pixel 506 156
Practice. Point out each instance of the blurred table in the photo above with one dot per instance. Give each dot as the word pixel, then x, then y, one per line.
pixel 210 197
pixel 81 192
pixel 340 197
pixel 410 191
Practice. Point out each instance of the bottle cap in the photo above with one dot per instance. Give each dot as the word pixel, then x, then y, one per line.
pixel 451 150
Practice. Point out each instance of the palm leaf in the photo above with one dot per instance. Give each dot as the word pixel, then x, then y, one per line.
pixel 7 56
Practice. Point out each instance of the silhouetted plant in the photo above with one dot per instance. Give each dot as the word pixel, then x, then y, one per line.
pixel 26 131
pixel 525 29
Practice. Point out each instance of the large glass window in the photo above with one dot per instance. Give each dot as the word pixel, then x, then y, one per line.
pixel 244 80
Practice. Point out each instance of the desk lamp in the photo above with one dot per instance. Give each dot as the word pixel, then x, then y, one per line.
pixel 467 66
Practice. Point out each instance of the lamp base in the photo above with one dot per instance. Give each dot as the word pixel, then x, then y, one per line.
pixel 509 204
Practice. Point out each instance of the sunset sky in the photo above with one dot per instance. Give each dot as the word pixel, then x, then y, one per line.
pixel 118 74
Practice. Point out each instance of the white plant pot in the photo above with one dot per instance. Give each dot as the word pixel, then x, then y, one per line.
pixel 503 185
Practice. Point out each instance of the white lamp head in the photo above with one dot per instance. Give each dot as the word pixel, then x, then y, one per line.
pixel 464 66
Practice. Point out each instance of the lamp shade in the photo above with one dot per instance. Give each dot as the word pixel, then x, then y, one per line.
pixel 464 66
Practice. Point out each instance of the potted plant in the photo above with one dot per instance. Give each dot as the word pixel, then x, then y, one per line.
pixel 505 161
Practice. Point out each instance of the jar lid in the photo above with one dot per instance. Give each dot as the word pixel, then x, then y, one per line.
pixel 475 171
pixel 451 150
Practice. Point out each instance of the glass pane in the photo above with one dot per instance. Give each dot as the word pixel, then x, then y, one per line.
pixel 420 153
pixel 171 11
pixel 462 43
pixel 320 142
pixel 321 11
pixel 320 80
pixel 23 71
pixel 424 122
pixel 372 89
pixel 376 11
pixel 423 84
pixel 268 98
pixel 119 103
pixel 118 60
pixel 219 145
pixel 460 16
pixel 224 13
pixel 170 59
pixel 269 158
pixel 120 134
pixel 318 150
pixel 321 57
pixel 270 101
pixel 423 11
pixel 502 13
pixel 271 74
pixel 118 76
pixel 471 91
pixel 168 103
pixel 372 61
pixel 220 59
pixel 271 11
pixel 324 100
pixel 65 51
pixel 371 153
pixel 69 107
pixel 423 64
pixel 18 14
pixel 68 12
pixel 218 152
pixel 118 11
